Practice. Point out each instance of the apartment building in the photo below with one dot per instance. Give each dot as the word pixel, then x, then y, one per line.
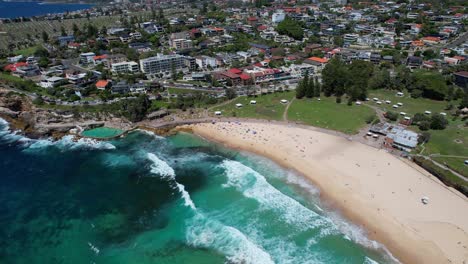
pixel 167 63
pixel 125 67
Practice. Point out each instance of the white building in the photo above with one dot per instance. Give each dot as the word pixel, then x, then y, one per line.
pixel 165 64
pixel 278 17
pixel 125 67
pixel 180 44
pixel 51 82
pixel 204 62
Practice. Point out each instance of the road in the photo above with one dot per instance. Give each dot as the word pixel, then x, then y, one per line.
pixel 460 40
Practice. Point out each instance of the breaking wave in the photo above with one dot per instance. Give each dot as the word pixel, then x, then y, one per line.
pixel 203 232
pixel 254 185
pixel 163 169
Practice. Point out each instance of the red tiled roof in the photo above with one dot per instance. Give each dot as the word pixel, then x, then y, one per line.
pixel 14 66
pixel 261 28
pixel 244 76
pixel 235 71
pixel 317 59
pixel 100 57
pixel 230 75
pixel 431 38
pixel 102 83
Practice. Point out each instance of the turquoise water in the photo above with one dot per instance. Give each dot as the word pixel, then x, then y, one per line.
pixel 102 132
pixel 147 199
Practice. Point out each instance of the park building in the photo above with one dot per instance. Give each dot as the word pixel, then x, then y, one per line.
pixel 166 64
pixel 125 67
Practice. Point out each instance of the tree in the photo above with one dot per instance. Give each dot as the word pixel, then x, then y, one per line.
pixel 135 109
pixel 318 88
pixel 45 36
pixel 358 78
pixel 334 77
pixel 393 116
pixel 230 93
pixel 310 91
pixel 438 122
pixel 464 101
pixel 62 31
pixel 424 137
pixel 291 28
pixel 301 88
pixel 432 84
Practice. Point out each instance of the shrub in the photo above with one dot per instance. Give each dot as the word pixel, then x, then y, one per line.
pixel 424 137
pixel 393 116
pixel 424 125
pixel 338 99
pixel 438 122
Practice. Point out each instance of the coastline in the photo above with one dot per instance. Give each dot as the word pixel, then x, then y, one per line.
pixel 386 204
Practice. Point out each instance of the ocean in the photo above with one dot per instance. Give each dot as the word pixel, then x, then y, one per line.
pixel 29 9
pixel 150 199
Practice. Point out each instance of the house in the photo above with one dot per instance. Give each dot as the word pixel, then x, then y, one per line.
pixel 261 48
pixel 456 60
pixel 312 47
pixel 317 63
pixel 51 82
pixel 101 59
pixel 431 40
pixel 87 58
pixel 14 66
pixel 120 88
pixel 27 70
pixel 414 62
pixel 103 84
pixel 461 79
pixel 140 46
pixel 65 40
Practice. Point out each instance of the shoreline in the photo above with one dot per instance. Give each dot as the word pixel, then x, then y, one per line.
pixel 404 228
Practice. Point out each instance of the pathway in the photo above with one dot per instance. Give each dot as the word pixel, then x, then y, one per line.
pixel 285 113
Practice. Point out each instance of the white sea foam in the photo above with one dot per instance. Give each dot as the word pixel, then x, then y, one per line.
pixel 151 133
pixel 203 232
pixel 163 169
pixel 186 196
pixel 160 167
pixel 254 185
pixel 69 142
pixel 368 260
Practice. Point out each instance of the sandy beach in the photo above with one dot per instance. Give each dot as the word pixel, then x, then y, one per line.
pixel 369 186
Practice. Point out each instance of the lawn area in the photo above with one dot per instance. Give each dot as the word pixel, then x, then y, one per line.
pixel 330 115
pixel 26 52
pixel 456 164
pixel 10 78
pixel 410 106
pixel 268 106
pixel 451 141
